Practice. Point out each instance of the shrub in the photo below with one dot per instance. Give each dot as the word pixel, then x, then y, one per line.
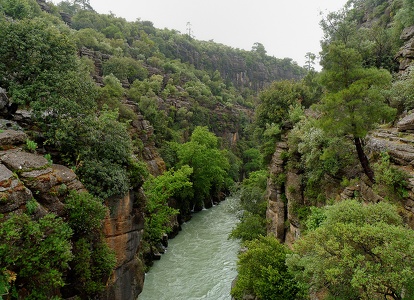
pixel 35 253
pixel 85 212
pixel 262 271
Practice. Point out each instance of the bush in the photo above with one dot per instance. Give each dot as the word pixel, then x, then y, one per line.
pixel 34 255
pixel 92 264
pixel 262 272
pixel 85 212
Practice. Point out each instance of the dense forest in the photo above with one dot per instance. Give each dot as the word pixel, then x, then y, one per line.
pixel 104 120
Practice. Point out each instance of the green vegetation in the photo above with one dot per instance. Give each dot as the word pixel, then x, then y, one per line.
pixel 262 271
pixel 89 84
pixel 159 190
pixel 34 254
pixel 252 200
pixel 355 92
pixel 358 251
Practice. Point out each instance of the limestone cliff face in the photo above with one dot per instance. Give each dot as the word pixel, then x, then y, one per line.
pixel 276 203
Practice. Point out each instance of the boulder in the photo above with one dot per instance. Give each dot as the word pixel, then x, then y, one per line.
pixel 21 161
pixel 407 33
pixel 13 194
pixel 406 123
pixel 12 137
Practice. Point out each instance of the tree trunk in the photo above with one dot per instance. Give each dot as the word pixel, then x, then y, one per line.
pixel 364 160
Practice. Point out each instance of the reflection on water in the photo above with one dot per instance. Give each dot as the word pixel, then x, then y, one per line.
pixel 200 263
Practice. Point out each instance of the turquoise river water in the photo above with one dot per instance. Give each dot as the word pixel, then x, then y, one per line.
pixel 200 262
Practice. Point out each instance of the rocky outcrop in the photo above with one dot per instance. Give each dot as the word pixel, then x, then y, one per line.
pixel 98 58
pixel 29 177
pixel 26 176
pixel 406 54
pixel 276 211
pixel 124 229
pixel 284 188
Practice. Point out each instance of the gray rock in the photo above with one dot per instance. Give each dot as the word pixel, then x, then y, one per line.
pixel 20 161
pixel 12 137
pixel 13 194
pixel 406 123
pixel 407 33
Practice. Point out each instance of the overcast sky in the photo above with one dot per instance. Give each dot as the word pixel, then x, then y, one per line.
pixel 286 28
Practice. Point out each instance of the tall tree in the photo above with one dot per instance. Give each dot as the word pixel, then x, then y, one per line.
pixel 353 103
pixel 310 61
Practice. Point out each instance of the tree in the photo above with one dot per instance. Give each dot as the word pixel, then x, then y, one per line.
pixel 359 251
pixel 20 9
pixel 158 191
pixel 262 271
pixel 272 114
pixel 353 104
pixel 310 61
pixel 210 165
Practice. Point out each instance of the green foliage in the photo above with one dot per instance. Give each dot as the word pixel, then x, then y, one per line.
pixel 209 164
pixel 37 60
pixel 252 161
pixel 93 262
pixel 354 102
pixel 405 14
pixel 390 180
pixel 37 253
pixel 252 199
pixel 85 212
pixel 318 154
pixel 253 191
pixel 158 191
pixel 20 9
pixel 315 219
pixel 48 158
pixel 104 178
pixel 137 172
pixel 250 227
pixel 262 271
pixel 401 93
pixel 31 145
pixel 272 114
pixel 32 206
pixel 125 68
pixel 358 251
pixel 101 148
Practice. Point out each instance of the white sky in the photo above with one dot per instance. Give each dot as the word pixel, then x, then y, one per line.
pixel 286 28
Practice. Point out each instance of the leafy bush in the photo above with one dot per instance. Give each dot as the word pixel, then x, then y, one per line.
pixel 262 271
pixel 35 254
pixel 158 191
pixel 85 212
pixel 92 264
pixel 104 178
pixel 390 180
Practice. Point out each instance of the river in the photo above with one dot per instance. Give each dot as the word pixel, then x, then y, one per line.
pixel 200 262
